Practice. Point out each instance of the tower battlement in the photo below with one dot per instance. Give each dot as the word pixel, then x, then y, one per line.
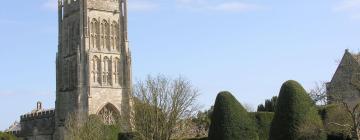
pixel 38 115
pixel 105 5
pixel 69 6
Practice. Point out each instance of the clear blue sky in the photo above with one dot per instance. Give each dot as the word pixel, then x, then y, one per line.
pixel 249 47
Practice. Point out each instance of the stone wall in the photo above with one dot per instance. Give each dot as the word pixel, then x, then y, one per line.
pixel 39 125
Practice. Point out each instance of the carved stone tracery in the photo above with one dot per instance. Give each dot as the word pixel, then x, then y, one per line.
pixel 104 36
pixel 106 71
pixel 109 114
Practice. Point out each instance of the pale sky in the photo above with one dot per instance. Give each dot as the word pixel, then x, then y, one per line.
pixel 248 47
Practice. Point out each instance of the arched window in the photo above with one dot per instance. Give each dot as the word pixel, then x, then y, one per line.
pixel 107 35
pixel 116 71
pixel 109 114
pixel 96 70
pixel 109 78
pixel 94 34
pixel 112 30
pixel 116 35
pixel 102 34
pixel 107 71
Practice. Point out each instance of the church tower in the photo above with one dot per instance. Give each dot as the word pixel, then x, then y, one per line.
pixel 93 64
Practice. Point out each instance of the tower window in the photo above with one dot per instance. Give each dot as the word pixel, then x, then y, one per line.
pixel 96 70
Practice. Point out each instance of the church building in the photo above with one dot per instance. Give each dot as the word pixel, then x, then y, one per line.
pixel 345 84
pixel 93 69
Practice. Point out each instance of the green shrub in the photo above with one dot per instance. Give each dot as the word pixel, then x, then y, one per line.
pixel 111 132
pixel 6 136
pixel 263 122
pixel 230 121
pixel 296 117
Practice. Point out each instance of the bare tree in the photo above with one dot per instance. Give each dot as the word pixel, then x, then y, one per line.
pixel 249 107
pixel 161 105
pixel 318 93
pixel 350 111
pixel 91 128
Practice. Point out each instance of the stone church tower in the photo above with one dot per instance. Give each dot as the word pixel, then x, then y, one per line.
pixel 93 63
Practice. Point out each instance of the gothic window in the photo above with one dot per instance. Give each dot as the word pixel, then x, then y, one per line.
pixel 102 34
pixel 109 114
pixel 115 34
pixel 95 34
pixel 107 71
pixel 96 70
pixel 109 78
pixel 92 34
pixel 107 35
pixel 112 29
pixel 117 71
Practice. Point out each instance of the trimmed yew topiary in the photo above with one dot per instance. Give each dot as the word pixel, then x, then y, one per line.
pixel 263 122
pixel 230 120
pixel 296 117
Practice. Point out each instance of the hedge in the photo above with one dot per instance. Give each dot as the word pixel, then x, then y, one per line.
pixel 263 122
pixel 230 120
pixel 296 117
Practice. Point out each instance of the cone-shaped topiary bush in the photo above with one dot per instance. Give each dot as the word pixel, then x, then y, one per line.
pixel 296 117
pixel 230 121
